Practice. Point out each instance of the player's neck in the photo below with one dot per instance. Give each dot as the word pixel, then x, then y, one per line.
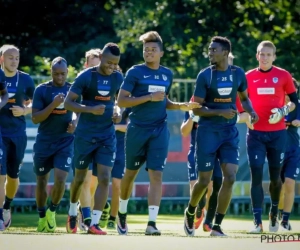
pixel 222 66
pixel 153 65
pixel 10 74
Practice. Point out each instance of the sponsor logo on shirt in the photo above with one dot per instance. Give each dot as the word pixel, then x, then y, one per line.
pixel 265 91
pixel 102 98
pixel 223 100
pixel 155 88
pixel 224 91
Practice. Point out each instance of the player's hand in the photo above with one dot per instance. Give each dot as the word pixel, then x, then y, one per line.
pixel 187 106
pixel 253 118
pixel 278 114
pixel 97 110
pixel 17 111
pixel 116 118
pixel 228 113
pixel 71 127
pixel 296 123
pixel 58 99
pixel 195 118
pixel 158 96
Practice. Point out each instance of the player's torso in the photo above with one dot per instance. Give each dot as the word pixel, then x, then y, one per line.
pixel 150 81
pixel 292 131
pixel 57 122
pixel 266 91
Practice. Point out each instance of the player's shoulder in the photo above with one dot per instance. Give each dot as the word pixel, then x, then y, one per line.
pixel 44 85
pixel 206 71
pixel 252 72
pixel 279 70
pixel 117 74
pixel 165 70
pixel 24 76
pixel 86 72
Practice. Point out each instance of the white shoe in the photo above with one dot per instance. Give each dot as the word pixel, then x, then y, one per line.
pixel 189 225
pixel 273 223
pixel 150 230
pixel 7 218
pixel 258 229
pixel 286 226
pixel 2 227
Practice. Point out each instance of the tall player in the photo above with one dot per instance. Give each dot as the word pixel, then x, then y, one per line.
pixel 216 89
pixel 53 146
pixel 95 133
pixel 291 165
pixel 268 85
pixel 13 124
pixel 3 101
pixel 145 89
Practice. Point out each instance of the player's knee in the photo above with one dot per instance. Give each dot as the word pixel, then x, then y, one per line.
pixel 155 177
pixel 275 177
pixel 289 185
pixel 256 176
pixel 229 179
pixel 104 179
pixel 204 180
pixel 41 181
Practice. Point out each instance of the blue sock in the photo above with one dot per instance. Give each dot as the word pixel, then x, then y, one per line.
pixel 274 207
pixel 257 215
pixel 1 213
pixel 285 216
pixel 86 213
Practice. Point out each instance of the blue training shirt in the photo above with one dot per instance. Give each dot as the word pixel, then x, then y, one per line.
pixel 96 89
pixel 219 90
pixel 19 86
pixel 292 131
pixel 55 126
pixel 140 80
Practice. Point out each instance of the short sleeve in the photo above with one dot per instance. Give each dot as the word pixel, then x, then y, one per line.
pixel 38 102
pixel 30 87
pixel 171 82
pixel 130 80
pixel 243 85
pixel 201 86
pixel 80 84
pixel 289 86
pixel 186 116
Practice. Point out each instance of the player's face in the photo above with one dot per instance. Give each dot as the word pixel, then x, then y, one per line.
pixel 215 53
pixel 11 59
pixel 152 52
pixel 108 63
pixel 93 61
pixel 59 74
pixel 265 57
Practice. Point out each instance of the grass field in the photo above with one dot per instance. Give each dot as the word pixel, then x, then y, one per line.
pixel 22 235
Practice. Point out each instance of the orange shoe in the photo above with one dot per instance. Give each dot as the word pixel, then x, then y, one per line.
pixel 72 224
pixel 207 227
pixel 95 229
pixel 199 216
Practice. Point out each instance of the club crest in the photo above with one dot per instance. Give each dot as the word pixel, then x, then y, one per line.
pixel 275 79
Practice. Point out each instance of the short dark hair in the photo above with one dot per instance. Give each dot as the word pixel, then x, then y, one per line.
pixel 112 48
pixel 58 60
pixel 152 37
pixel 224 41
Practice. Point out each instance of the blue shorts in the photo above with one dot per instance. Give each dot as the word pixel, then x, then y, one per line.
pixel 119 166
pixel 13 154
pixel 266 144
pixel 291 164
pixel 150 145
pixel 212 144
pixel 193 173
pixel 47 155
pixel 100 150
pixel 1 156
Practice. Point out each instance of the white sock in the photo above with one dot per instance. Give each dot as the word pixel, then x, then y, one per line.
pixel 73 209
pixel 123 206
pixel 153 212
pixel 96 215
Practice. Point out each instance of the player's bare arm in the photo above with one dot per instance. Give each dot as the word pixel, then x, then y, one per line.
pixel 125 100
pixel 184 106
pixel 205 111
pixel 247 106
pixel 72 105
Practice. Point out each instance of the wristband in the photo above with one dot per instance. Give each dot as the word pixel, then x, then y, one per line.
pixel 151 97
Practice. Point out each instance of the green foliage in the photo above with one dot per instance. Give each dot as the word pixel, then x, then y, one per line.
pixel 186 27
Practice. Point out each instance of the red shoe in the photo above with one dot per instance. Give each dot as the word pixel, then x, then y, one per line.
pixel 95 229
pixel 199 216
pixel 72 224
pixel 207 227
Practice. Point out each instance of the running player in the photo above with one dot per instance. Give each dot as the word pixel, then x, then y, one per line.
pixel 145 89
pixel 217 87
pixel 53 146
pixel 13 124
pixel 268 86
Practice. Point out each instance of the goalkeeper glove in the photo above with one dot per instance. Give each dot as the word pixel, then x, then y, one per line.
pixel 278 114
pixel 195 118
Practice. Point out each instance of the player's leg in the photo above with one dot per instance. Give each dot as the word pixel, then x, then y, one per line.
pixel 213 200
pixel 93 186
pixel 281 198
pixel 275 154
pixel 292 167
pixel 15 150
pixel 256 150
pixel 2 184
pixel 229 160
pixel 85 201
pixel 135 140
pixel 206 147
pixel 83 150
